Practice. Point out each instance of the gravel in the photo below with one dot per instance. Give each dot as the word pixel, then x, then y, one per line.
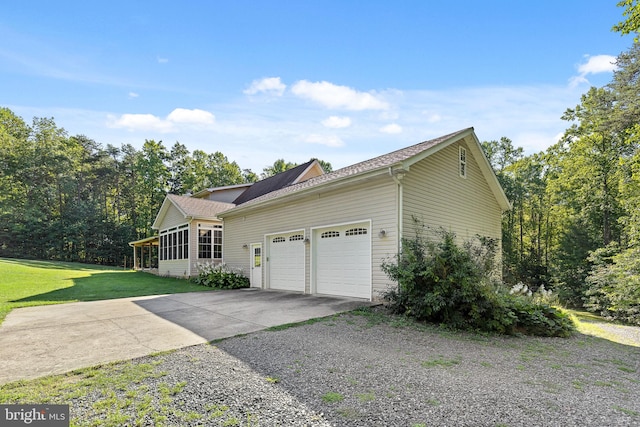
pixel 358 370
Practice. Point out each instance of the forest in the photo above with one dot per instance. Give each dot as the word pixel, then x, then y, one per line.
pixel 574 226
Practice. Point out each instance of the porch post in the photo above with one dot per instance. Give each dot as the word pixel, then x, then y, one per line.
pixel 135 257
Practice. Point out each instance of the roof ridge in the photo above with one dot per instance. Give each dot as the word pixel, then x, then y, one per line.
pixel 374 163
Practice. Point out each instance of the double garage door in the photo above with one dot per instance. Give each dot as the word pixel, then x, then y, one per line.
pixel 340 260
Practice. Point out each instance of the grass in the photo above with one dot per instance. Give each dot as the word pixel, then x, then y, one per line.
pixel 440 361
pixel 31 283
pixel 588 324
pixel 332 397
pixel 118 397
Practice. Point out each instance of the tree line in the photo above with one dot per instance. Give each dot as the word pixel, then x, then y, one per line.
pixel 575 222
pixel 69 198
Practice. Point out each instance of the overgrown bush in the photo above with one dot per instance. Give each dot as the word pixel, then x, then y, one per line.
pixel 220 276
pixel 441 282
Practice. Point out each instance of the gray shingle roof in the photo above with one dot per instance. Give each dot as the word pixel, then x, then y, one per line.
pixel 199 208
pixel 376 163
pixel 272 183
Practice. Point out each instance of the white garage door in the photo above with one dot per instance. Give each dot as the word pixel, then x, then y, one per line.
pixel 286 261
pixel 343 260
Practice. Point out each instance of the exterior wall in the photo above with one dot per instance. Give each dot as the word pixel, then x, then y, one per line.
pixel 193 247
pixel 435 193
pixel 172 218
pixel 183 267
pixel 173 267
pixel 373 200
pixel 226 196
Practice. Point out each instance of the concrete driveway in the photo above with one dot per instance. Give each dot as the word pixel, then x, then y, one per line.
pixel 53 339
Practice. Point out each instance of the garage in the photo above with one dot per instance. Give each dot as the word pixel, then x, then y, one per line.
pixel 342 260
pixel 285 261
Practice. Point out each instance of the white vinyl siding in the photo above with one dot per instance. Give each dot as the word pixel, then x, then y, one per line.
pixel 374 200
pixel 432 191
pixel 435 194
pixel 172 218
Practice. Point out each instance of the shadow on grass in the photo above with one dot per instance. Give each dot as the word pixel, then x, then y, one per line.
pixel 112 285
pixel 56 265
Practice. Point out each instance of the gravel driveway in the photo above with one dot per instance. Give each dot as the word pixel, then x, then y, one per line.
pixel 358 370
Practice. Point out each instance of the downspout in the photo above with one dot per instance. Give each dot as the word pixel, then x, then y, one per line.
pixel 193 238
pixel 397 175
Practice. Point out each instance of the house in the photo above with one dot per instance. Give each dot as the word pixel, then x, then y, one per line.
pixel 189 229
pixel 328 233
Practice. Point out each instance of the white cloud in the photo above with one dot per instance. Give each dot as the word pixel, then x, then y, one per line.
pixel 255 134
pixel 149 122
pixel 336 122
pixel 595 65
pixel 598 64
pixel 146 122
pixel 328 140
pixel 162 60
pixel 268 85
pixel 337 97
pixel 432 117
pixel 133 95
pixel 392 128
pixel 195 116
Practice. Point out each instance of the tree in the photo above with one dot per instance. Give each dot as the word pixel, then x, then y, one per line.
pixel 326 166
pixel 179 164
pixel 592 170
pixel 278 166
pixel 632 22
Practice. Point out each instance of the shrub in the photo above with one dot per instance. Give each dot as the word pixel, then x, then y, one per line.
pixel 614 284
pixel 220 276
pixel 439 281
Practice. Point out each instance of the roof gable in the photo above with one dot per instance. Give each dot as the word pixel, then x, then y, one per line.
pixel 191 208
pixel 280 180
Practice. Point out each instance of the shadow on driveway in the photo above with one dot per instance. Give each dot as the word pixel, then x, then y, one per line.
pixel 53 339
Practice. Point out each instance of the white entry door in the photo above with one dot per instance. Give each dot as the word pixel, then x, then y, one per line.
pixel 256 265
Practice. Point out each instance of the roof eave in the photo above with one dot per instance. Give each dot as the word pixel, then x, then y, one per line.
pixel 489 173
pixel 306 191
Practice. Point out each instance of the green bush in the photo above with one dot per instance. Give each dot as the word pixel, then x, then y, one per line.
pixel 441 282
pixel 220 276
pixel 614 284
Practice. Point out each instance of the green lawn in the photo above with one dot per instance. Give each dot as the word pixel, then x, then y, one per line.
pixel 27 283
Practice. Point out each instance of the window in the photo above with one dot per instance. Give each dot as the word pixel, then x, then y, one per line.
pixel 204 243
pixel 185 243
pixel 174 243
pixel 279 240
pixel 463 162
pixel 355 232
pixel 296 237
pixel 329 234
pixel 209 241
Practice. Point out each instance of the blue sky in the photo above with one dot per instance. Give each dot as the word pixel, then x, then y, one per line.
pixel 342 81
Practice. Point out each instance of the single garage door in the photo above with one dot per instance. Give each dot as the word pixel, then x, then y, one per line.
pixel 286 261
pixel 342 257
